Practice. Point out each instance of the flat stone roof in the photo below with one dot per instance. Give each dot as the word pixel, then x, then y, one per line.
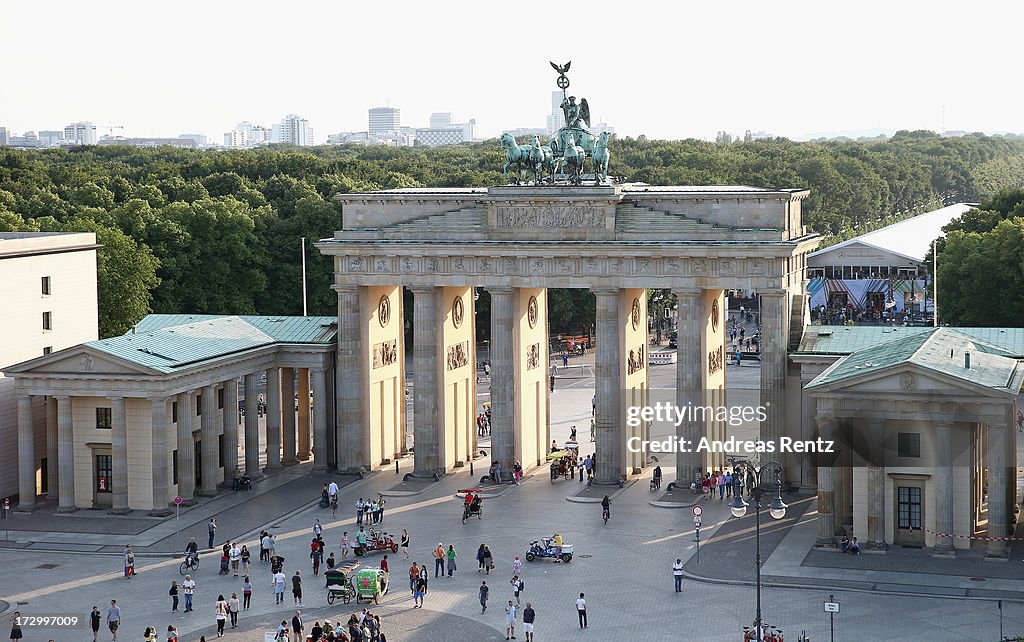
pixel 838 340
pixel 17 244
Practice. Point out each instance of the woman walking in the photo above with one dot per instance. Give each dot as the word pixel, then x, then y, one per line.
pixel 245 559
pixel 488 561
pixel 405 544
pixel 246 593
pixel 173 592
pixel 16 626
pixel 480 558
pixel 221 611
pixel 233 606
pixel 451 559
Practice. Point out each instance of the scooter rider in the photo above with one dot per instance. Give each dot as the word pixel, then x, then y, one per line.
pixel 606 506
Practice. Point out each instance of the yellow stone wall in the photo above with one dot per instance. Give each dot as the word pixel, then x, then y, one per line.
pixel 456 410
pixel 531 395
pixel 384 410
pixel 633 338
pixel 713 363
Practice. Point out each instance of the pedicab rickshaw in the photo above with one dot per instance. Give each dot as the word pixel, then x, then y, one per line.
pixel 340 582
pixel 473 508
pixel 371 583
pixel 561 464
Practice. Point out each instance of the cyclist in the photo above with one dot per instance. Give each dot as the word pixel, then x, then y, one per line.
pixel 606 504
pixel 191 551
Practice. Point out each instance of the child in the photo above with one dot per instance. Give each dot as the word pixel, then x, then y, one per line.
pixel 344 545
pixel 517 565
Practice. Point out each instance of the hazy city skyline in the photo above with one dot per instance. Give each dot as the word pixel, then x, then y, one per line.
pixel 666 71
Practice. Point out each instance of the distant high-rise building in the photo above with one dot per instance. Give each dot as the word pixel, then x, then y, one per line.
pixel 3 137
pixel 385 119
pixel 556 119
pixel 200 139
pixel 83 133
pixel 441 120
pixel 51 138
pixel 293 130
pixel 245 135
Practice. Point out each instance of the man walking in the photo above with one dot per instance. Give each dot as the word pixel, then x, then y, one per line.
pixel 113 618
pixel 279 583
pixel 188 588
pixel 439 558
pixel 510 621
pixel 581 611
pixel 483 596
pixel 297 588
pixel 212 529
pixel 528 617
pixel 677 573
pixel 297 625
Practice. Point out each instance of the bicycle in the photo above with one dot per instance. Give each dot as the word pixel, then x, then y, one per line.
pixel 605 515
pixel 191 563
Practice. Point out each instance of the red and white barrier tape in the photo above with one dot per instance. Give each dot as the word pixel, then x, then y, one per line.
pixel 974 537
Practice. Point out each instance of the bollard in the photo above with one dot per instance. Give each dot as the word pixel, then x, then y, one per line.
pixel 470 467
pixel 396 466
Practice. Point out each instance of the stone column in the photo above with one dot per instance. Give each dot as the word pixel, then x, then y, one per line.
pixel 426 462
pixel 273 419
pixel 774 346
pixel 876 484
pixel 826 488
pixel 118 456
pixel 65 456
pixel 51 448
pixel 997 479
pixel 943 485
pixel 230 423
pixel 208 437
pixel 252 427
pixel 186 447
pixel 26 456
pixel 608 372
pixel 161 476
pixel 689 383
pixel 349 382
pixel 288 415
pixel 320 410
pixel 302 446
pixel 503 378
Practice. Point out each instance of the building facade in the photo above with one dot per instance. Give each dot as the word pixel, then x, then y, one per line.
pixel 384 119
pixel 293 130
pixel 82 133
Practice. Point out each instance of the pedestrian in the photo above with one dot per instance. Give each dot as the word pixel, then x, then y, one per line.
pixel 282 632
pixel 581 611
pixel 344 545
pixel 721 486
pixel 414 574
pixel 264 546
pixel 334 506
pixel 529 616
pixel 129 562
pixel 172 633
pixel 517 587
pixel 235 554
pixel 297 588
pixel 488 560
pixel 332 489
pixel 359 511
pixel 16 626
pixel 212 529
pixel 419 590
pixel 246 593
pixel 361 538
pixel 245 560
pixel 677 573
pixel 480 558
pixel 593 431
pixel 221 613
pixel 233 607
pixel 425 576
pixel 297 626
pixel 380 509
pixel 451 559
pixel 517 472
pixel 279 584
pixel 188 588
pixel 510 621
pixel 173 592
pixel 384 564
pixel 728 484
pixel 439 558
pixel 330 561
pixel 113 618
pixel 150 634
pixel 316 554
pixel 517 565
pixel 483 596
pixel 405 544
pixel 318 529
pixel 95 617
pixel 583 468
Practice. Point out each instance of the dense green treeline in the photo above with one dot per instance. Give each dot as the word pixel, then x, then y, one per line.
pixel 218 231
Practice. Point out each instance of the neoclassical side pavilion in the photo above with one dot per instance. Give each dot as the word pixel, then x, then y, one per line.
pixel 516 241
pixel 132 421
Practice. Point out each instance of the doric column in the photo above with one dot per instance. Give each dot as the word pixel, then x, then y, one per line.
pixel 252 426
pixel 230 423
pixel 349 382
pixel 774 344
pixel 273 419
pixel 161 476
pixel 118 456
pixel 876 483
pixel 997 479
pixel 26 456
pixel 209 441
pixel 186 447
pixel 65 456
pixel 503 378
pixel 288 415
pixel 320 410
pixel 943 486
pixel 689 383
pixel 51 448
pixel 302 446
pixel 610 444
pixel 426 462
pixel 826 488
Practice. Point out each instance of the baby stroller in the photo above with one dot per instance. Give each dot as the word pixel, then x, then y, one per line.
pixel 224 565
pixel 245 483
pixel 276 564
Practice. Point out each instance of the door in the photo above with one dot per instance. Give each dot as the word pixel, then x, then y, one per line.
pixel 199 462
pixel 909 514
pixel 104 472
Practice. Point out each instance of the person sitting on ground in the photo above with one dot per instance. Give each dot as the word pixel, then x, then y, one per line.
pixel 854 547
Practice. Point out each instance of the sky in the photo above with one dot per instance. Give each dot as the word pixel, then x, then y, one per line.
pixel 670 69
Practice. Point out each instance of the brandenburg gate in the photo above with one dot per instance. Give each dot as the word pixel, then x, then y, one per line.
pixel 516 241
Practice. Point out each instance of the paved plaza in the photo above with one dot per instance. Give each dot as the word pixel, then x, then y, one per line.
pixel 624 568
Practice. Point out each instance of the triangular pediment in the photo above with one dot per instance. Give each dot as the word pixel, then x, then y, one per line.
pixel 907 379
pixel 79 360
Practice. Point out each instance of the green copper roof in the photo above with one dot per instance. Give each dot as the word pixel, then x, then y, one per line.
pixel 169 342
pixel 941 350
pixel 842 340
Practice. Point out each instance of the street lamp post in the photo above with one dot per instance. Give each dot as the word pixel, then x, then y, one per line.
pixel 766 479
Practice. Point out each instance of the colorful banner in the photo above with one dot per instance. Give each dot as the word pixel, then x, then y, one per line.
pixel 856 292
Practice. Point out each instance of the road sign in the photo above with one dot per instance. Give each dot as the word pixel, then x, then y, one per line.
pixel 697 511
pixel 696 521
pixel 178 500
pixel 831 607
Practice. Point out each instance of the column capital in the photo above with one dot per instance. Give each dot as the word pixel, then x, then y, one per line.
pixel 499 289
pixel 115 397
pixel 422 289
pixel 687 292
pixel 346 288
pixel 773 292
pixel 58 397
pixel 604 290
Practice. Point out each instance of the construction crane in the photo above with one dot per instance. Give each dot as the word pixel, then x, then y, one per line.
pixel 110 129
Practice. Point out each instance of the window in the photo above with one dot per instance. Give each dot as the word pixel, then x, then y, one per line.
pixel 103 421
pixel 199 405
pixel 174 415
pixel 47 321
pixel 46 286
pixel 908 444
pixel 103 473
pixel 220 398
pixel 908 507
pixel 174 466
pixel 220 450
pixel 47 349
